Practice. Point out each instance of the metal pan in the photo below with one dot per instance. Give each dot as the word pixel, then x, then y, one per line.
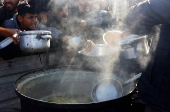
pixel 109 89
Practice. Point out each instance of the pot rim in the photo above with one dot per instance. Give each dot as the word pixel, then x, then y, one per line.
pixel 35 32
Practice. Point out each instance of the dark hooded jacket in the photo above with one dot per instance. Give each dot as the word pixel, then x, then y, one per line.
pixel 154 84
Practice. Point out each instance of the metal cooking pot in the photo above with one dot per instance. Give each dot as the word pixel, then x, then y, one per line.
pixel 35 41
pixel 100 57
pixel 34 87
pixel 100 50
pixel 133 46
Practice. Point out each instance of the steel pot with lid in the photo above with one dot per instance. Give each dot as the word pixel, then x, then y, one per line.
pixel 35 41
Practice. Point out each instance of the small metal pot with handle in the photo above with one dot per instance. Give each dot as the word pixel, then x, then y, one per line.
pixel 35 41
pixel 133 46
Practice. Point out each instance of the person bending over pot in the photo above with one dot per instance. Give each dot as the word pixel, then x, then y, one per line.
pixel 154 84
pixel 26 20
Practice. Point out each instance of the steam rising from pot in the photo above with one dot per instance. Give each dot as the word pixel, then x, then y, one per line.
pixel 106 65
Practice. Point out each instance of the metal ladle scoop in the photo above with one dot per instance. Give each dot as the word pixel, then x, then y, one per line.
pixel 109 89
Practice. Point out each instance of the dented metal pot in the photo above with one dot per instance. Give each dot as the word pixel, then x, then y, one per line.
pixel 35 41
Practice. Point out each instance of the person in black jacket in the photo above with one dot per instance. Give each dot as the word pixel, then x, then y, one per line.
pixel 154 84
pixel 7 11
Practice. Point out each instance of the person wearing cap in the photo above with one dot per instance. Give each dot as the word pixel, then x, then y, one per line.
pixel 26 19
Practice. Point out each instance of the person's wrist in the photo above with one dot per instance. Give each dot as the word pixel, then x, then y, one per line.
pixel 9 33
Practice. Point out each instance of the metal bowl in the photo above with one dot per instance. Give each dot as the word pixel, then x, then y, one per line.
pixel 109 35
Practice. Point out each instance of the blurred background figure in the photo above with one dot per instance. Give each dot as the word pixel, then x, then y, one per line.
pixel 84 6
pixel 41 8
pixel 58 15
pixel 96 6
pixel 1 2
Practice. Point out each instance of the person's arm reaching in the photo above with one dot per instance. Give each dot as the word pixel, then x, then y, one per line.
pixel 8 32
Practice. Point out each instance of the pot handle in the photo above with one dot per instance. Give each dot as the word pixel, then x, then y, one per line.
pixel 5 42
pixel 45 36
pixel 132 79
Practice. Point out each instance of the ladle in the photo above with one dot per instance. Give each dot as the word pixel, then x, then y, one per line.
pixel 109 89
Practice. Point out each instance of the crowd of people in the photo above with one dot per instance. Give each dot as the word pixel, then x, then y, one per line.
pixel 51 15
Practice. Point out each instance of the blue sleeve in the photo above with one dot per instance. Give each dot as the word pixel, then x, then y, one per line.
pixel 147 14
pixel 9 24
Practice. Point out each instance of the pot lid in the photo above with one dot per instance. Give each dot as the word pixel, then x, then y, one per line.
pixel 35 32
pixel 129 39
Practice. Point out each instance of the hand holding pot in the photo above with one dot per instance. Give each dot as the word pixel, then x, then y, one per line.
pixel 89 45
pixel 11 32
pixel 16 37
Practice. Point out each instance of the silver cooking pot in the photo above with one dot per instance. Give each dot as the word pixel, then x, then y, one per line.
pixel 100 50
pixel 35 41
pixel 133 46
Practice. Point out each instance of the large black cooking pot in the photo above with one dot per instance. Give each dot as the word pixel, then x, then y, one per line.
pixel 32 88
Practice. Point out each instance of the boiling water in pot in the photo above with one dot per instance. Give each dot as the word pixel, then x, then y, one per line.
pixel 68 98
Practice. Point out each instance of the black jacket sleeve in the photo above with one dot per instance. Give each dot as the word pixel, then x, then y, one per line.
pixel 145 15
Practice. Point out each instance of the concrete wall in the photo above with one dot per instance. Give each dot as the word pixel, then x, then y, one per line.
pixel 12 69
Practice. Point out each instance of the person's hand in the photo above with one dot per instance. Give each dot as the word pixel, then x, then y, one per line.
pixel 42 17
pixel 89 45
pixel 15 38
pixel 11 32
